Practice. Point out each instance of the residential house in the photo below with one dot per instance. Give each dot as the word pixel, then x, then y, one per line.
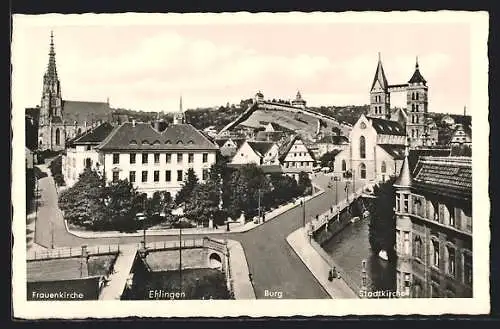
pixel 229 145
pixel 331 143
pixel 295 157
pixel 258 152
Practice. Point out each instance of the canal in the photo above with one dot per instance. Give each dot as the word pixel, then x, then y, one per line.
pixel 350 247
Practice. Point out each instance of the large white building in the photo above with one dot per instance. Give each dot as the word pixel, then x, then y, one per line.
pixel 154 157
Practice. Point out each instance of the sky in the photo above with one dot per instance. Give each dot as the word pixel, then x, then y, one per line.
pixel 148 66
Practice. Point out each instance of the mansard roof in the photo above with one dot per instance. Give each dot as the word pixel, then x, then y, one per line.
pixel 449 176
pixel 387 127
pixel 142 136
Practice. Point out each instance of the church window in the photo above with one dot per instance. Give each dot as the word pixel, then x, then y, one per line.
pixel 435 253
pixel 362 171
pixel 344 166
pixel 412 96
pixel 417 247
pixel 58 136
pixel 416 108
pixel 450 260
pixel 362 147
pixel 416 97
pixel 413 107
pixel 383 167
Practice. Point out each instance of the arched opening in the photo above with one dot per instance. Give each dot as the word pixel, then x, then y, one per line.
pixel 58 136
pixel 215 260
pixel 413 107
pixel 362 171
pixel 417 249
pixel 416 96
pixel 79 131
pixel 344 165
pixel 362 147
pixel 383 167
pixel 416 108
pixel 412 96
pixel 88 163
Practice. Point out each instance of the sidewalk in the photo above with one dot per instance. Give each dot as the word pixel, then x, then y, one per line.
pixel 117 280
pixel 318 266
pixel 238 265
pixel 240 228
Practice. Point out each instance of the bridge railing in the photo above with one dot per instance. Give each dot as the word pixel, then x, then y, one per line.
pixel 66 252
pixel 186 243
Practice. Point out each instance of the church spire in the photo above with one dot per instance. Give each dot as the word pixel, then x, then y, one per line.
pixel 180 105
pixel 404 180
pixel 51 67
pixel 380 75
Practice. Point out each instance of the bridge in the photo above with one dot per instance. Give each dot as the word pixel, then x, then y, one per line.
pixel 112 284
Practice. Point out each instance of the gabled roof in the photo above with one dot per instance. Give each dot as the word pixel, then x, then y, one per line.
pixel 96 135
pixel 333 139
pixel 380 76
pixel 85 111
pixel 283 152
pixel 143 136
pixel 450 176
pixel 238 141
pixel 387 127
pixel 397 152
pixel 260 148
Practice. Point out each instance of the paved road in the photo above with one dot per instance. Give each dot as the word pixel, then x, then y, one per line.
pixel 273 264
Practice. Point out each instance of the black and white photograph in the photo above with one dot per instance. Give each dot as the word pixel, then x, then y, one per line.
pixel 265 159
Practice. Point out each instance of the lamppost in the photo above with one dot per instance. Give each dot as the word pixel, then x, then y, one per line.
pixel 180 257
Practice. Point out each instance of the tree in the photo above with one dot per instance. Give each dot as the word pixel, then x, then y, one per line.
pixel 190 183
pixel 328 159
pixel 382 223
pixel 84 202
pixel 304 184
pixel 203 203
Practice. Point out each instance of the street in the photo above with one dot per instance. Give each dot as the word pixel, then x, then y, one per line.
pixel 273 264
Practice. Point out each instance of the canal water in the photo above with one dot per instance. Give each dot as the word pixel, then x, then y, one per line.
pixel 350 247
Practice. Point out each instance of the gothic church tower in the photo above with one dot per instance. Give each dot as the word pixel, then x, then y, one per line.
pixel 380 102
pixel 416 97
pixel 51 132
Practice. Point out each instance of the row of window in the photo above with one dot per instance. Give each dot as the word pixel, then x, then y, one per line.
pixel 156 176
pixel 415 118
pixel 414 107
pixel 414 96
pixel 435 258
pixel 378 99
pixel 433 210
pixel 156 158
pixel 290 164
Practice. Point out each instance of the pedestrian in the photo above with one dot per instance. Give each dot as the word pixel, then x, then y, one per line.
pixel 250 277
pixel 334 272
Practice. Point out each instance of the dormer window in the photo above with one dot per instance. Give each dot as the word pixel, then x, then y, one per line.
pixel 145 142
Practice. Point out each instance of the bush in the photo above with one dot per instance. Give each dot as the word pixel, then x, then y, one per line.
pixel 182 224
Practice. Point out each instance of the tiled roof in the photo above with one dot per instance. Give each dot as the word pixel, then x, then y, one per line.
pixel 387 127
pixel 333 139
pixel 397 152
pixel 85 111
pixel 143 136
pixel 221 141
pixel 434 151
pixel 96 135
pixel 450 176
pixel 261 148
pixel 283 151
